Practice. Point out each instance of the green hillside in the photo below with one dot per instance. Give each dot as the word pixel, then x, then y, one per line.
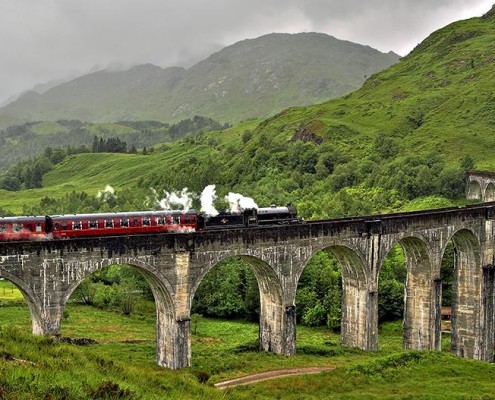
pixel 404 140
pixel 92 172
pixel 20 142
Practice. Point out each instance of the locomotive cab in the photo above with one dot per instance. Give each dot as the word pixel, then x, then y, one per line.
pixel 250 217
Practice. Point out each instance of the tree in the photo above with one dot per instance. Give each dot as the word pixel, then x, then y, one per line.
pixel 386 146
pixel 85 292
pixel 391 284
pixel 246 136
pixel 319 293
pixel 96 144
pixel 229 290
pixel 11 183
pixel 467 163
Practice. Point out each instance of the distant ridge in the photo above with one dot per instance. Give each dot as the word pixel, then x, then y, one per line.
pixel 252 78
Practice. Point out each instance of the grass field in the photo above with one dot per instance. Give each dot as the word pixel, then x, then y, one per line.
pixel 122 362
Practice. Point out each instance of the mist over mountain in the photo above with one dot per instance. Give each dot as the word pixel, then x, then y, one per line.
pixel 252 78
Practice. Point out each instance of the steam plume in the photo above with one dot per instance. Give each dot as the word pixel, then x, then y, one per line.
pixel 238 202
pixel 207 198
pixel 183 200
pixel 106 194
pixel 177 200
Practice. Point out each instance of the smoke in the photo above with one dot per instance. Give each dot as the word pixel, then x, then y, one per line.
pixel 106 194
pixel 207 198
pixel 238 202
pixel 182 200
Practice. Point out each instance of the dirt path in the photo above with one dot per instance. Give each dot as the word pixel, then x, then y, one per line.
pixel 264 376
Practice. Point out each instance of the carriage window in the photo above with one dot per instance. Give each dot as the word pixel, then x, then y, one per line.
pixel 124 223
pixel 76 225
pixel 146 222
pixel 63 225
pixel 93 224
pixel 135 222
pixel 3 228
pixel 17 227
pixel 160 221
pixel 38 227
pixel 176 220
pixel 109 223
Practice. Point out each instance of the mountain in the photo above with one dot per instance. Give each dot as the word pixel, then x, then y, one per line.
pixel 252 78
pixel 403 141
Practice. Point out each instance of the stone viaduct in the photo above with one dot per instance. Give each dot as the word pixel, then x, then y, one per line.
pixel 47 272
pixel 481 186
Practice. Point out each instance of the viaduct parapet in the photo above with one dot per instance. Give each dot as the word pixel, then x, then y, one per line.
pixel 47 272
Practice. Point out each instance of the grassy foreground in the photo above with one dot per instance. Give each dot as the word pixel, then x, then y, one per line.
pixel 121 365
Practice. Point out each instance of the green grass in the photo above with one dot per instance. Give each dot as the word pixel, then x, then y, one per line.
pixel 409 375
pixel 48 128
pixel 9 292
pixel 38 367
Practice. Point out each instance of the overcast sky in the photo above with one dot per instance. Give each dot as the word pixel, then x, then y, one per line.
pixel 43 40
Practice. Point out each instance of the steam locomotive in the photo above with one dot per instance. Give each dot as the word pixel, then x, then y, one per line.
pixel 139 222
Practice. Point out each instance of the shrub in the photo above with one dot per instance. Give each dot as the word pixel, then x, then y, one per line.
pixel 202 376
pixel 111 390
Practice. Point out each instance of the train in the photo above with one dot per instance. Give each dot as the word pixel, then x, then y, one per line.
pixel 139 222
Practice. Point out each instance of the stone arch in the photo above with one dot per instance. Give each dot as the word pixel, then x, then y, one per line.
pixel 359 307
pixel 490 192
pixel 420 300
pixel 32 301
pixel 474 190
pixel 172 347
pixel 276 324
pixel 467 302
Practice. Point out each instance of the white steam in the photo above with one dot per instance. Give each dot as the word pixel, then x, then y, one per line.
pixel 106 194
pixel 207 198
pixel 238 202
pixel 183 200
